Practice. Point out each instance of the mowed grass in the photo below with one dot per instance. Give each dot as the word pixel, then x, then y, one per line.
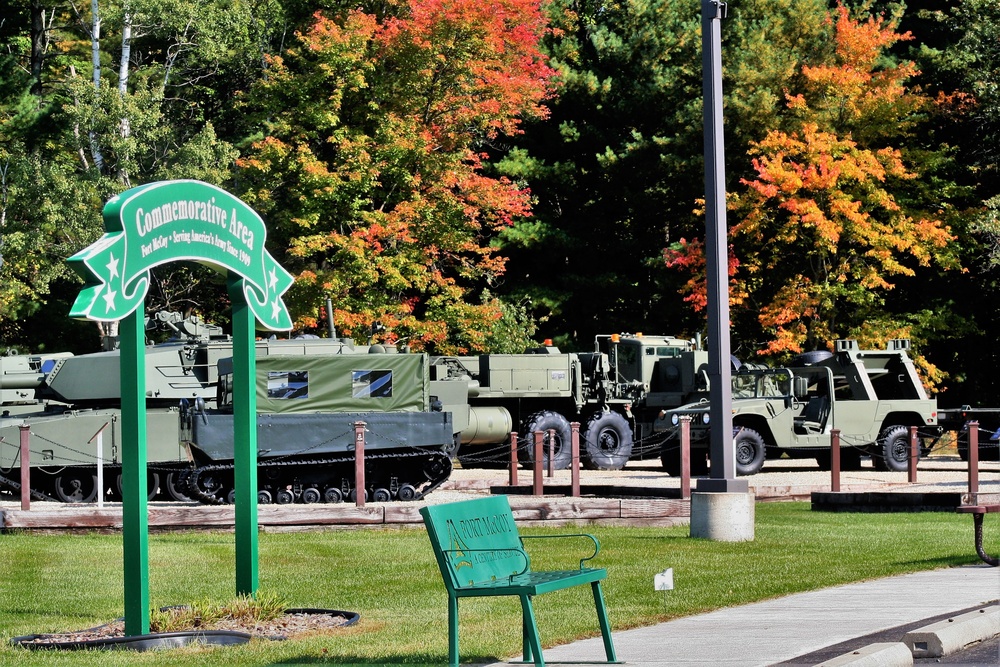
pixel 69 582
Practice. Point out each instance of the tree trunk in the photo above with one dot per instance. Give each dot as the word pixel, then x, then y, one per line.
pixel 95 59
pixel 37 46
pixel 123 73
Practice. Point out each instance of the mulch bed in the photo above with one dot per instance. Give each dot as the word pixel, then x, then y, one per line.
pixel 294 623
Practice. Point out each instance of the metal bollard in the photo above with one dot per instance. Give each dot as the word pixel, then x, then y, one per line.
pixel 574 440
pixel 359 464
pixel 835 460
pixel 512 479
pixel 551 433
pixel 685 456
pixel 911 469
pixel 536 464
pixel 25 467
pixel 973 428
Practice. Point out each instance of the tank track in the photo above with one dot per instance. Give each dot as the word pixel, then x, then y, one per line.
pixel 325 479
pixel 16 488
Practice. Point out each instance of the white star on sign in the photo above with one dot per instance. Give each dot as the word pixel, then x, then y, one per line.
pixel 112 268
pixel 109 300
pixel 274 279
pixel 275 309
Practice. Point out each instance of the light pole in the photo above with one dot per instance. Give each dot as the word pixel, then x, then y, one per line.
pixel 721 508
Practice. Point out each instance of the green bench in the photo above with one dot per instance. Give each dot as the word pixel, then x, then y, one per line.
pixel 481 554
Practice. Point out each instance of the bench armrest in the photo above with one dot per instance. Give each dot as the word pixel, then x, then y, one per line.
pixel 597 545
pixel 521 552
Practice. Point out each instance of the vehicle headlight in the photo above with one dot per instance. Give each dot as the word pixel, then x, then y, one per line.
pixel 705 418
pixel 675 419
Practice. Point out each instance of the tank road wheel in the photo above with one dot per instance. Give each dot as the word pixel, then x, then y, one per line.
pixel 311 495
pixel 152 485
pixel 264 497
pixel 210 486
pixel 407 492
pixel 381 495
pixel 892 450
pixel 284 497
pixel 76 486
pixel 354 495
pixel 175 484
pixel 333 495
pixel 749 451
pixel 608 441
pixel 545 421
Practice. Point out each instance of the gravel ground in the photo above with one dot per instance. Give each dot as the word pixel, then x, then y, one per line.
pixel 782 478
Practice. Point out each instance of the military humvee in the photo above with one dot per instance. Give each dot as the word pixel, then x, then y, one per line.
pixel 871 396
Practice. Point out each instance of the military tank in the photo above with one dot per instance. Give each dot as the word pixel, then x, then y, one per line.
pixel 71 407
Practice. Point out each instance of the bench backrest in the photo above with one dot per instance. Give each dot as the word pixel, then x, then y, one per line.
pixel 474 541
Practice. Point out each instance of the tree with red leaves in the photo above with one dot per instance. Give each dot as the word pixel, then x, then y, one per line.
pixel 381 124
pixel 827 225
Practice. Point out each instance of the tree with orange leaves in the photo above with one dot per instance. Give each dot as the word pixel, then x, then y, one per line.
pixel 828 224
pixel 377 131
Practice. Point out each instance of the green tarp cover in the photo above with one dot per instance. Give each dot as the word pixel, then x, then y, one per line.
pixel 343 383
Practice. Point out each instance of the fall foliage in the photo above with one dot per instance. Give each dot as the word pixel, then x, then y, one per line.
pixel 386 208
pixel 821 236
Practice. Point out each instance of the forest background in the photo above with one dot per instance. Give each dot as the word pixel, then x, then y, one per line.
pixel 475 176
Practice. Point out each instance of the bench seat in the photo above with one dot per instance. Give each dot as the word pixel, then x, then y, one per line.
pixel 534 583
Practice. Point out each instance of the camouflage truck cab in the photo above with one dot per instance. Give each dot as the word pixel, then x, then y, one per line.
pixel 871 396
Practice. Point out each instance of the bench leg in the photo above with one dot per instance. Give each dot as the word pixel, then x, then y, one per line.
pixel 452 631
pixel 602 618
pixel 531 643
pixel 977 522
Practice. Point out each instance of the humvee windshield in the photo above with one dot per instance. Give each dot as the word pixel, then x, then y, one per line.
pixel 769 383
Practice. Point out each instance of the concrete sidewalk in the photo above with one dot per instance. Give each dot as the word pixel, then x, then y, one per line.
pixel 766 633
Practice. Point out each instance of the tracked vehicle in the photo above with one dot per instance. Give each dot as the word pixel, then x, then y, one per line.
pixel 308 406
pixel 66 401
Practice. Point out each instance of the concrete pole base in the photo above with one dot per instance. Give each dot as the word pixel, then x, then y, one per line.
pixel 723 517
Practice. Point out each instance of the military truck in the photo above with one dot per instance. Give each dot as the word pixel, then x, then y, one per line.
pixel 872 397
pixel 957 420
pixel 615 392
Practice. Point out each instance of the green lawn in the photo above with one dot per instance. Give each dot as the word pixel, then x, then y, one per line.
pixel 55 583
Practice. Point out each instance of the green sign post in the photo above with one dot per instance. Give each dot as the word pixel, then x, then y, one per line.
pixel 156 224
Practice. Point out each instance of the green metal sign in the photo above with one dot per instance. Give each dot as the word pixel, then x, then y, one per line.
pixel 174 221
pixel 145 227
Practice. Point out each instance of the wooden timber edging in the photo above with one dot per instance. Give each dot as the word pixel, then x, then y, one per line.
pixel 539 511
pixel 878 501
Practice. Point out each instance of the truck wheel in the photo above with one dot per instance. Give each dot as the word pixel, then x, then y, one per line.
pixel 749 451
pixel 893 449
pixel 544 421
pixel 670 459
pixel 609 441
pixel 670 456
